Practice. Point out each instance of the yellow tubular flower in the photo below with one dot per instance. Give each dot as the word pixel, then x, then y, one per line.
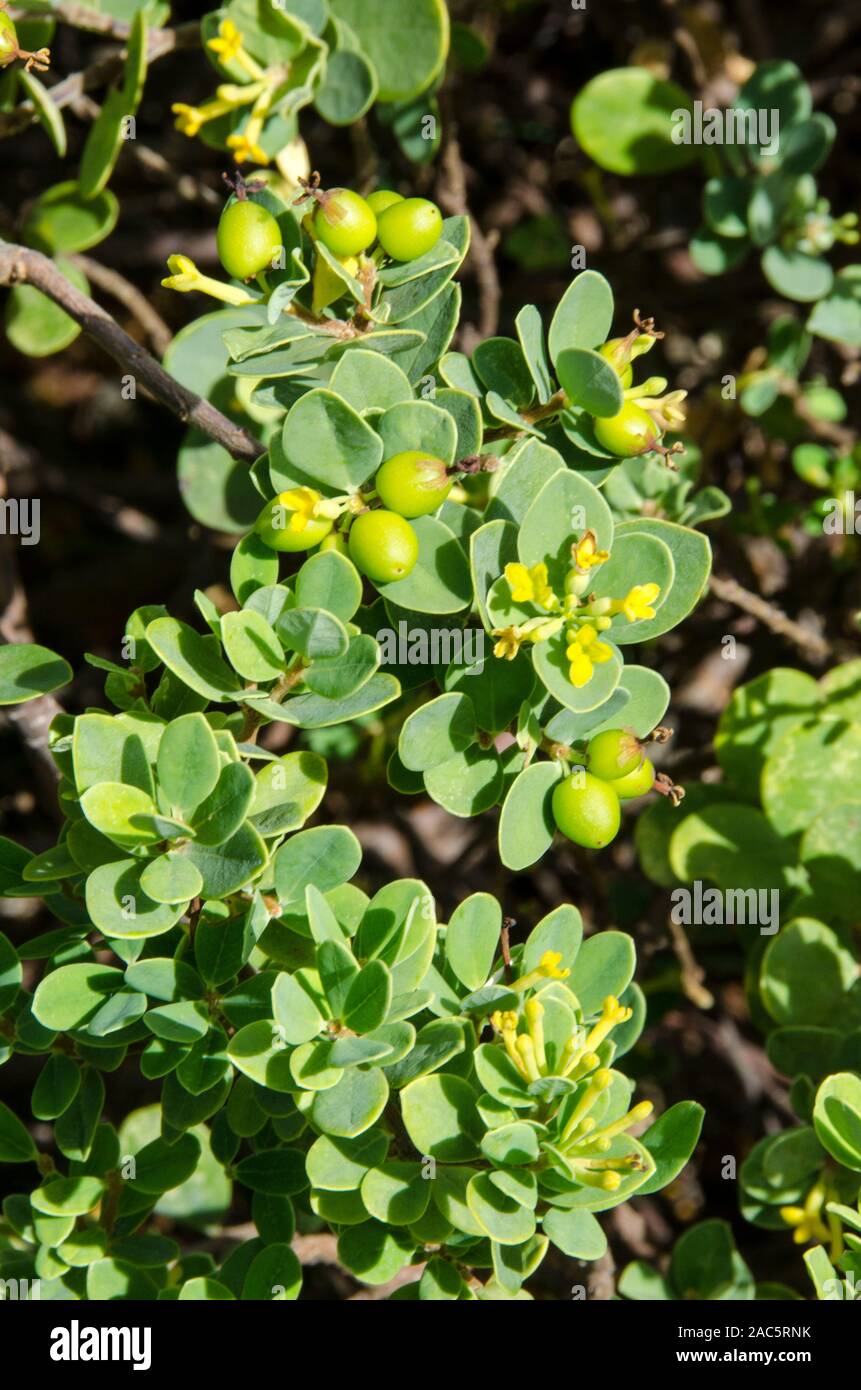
pixel 638 601
pixel 534 1011
pixel 526 1048
pixel 245 149
pixel 509 642
pixel 584 653
pixel 529 585
pixel 637 1113
pixel 600 1081
pixel 185 276
pixel 612 1013
pixel 585 553
pixel 547 969
pixel 189 119
pixel 303 503
pixel 228 45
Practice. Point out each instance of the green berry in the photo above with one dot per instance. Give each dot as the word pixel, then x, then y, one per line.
pixel 408 229
pixel 383 198
pixel 586 809
pixel 635 783
pixel 334 541
pixel 611 350
pixel 413 483
pixel 383 546
pixel 628 434
pixel 274 528
pixel 344 222
pixel 248 239
pixel 613 753
pixel 8 40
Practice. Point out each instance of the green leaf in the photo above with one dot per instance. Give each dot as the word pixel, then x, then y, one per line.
pixel 67 1196
pixel 251 646
pixel 374 1252
pixel 326 856
pixel 329 580
pixel 259 1053
pixel 397 1192
pixel 188 761
pixel 294 1011
pixel 806 974
pixel 526 825
pixel 49 114
pixel 231 865
pixel 810 769
pixel 503 1218
pixel 671 1140
pixel 436 731
pixel 590 381
pixel 757 716
pixel 313 632
pixel 605 965
pixel 28 671
pixel 566 506
pixel 220 815
pixel 583 315
pixel 113 809
pixel 349 89
pixel 69 996
pixel 56 1087
pixel 440 1117
pixel 691 554
pixel 159 1166
pixel 275 1273
pixel 418 426
pixel 467 783
pixel 325 443
pixel 368 381
pixel 472 938
pixel 65 220
pixel 837 317
pixel 798 276
pixel 34 324
pixel 732 845
pixel 440 579
pixel 16 1146
pixel 575 1233
pixel 287 791
pixel 118 905
pixel 625 120
pixel 276 1172
pixel 368 998
pixel 103 144
pixel 406 60
pixel 192 658
pixel 352 1105
pixel 636 559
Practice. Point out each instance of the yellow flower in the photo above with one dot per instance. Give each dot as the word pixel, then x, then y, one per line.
pixel 547 969
pixel 189 119
pixel 530 585
pixel 184 274
pixel 304 503
pixel 509 641
pixel 585 652
pixel 245 149
pixel 637 602
pixel 586 554
pixel 229 42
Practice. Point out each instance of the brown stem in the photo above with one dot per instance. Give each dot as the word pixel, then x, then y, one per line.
pixel 21 266
pixel 130 297
pixel 282 687
pixel 732 592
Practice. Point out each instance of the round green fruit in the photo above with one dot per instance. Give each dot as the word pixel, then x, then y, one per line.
pixel 248 239
pixel 383 198
pixel 613 753
pixel 8 40
pixel 344 222
pixel 413 483
pixel 586 809
pixel 334 541
pixel 628 434
pixel 409 229
pixel 383 546
pixel 635 783
pixel 610 350
pixel 274 529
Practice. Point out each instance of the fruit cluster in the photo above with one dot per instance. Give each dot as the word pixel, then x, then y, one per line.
pixel 587 804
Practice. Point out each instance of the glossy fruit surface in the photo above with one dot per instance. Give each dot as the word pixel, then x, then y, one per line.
pixel 344 222
pixel 586 809
pixel 8 39
pixel 274 528
pixel 413 483
pixel 383 546
pixel 613 753
pixel 409 229
pixel 248 239
pixel 635 783
pixel 334 541
pixel 631 432
pixel 383 198
pixel 610 351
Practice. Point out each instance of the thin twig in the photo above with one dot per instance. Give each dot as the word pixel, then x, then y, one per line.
pixel 81 17
pixel 130 297
pixel 21 266
pixel 692 973
pixel 159 43
pixel 453 197
pixel 771 617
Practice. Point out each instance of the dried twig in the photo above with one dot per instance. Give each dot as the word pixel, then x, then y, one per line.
pixel 816 647
pixel 19 265
pixel 130 297
pixel 159 43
